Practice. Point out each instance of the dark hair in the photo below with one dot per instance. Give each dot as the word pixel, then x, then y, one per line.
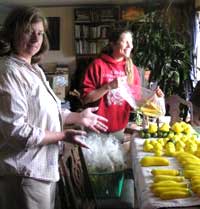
pixel 20 19
pixel 113 37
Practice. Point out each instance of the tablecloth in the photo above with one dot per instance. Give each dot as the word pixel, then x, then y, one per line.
pixel 143 179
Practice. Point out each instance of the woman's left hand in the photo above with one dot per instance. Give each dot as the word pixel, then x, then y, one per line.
pixel 92 120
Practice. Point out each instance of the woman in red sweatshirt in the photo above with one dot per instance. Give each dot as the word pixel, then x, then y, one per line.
pixel 104 76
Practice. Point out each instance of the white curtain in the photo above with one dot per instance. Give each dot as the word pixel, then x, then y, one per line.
pixel 195 74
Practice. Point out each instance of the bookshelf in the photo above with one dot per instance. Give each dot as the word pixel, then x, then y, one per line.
pixel 91 29
pixel 92 24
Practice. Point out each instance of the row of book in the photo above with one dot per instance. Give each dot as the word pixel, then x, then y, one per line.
pixel 90 47
pixel 90 31
pixel 96 14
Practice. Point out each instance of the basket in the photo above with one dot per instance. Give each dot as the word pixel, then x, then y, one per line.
pixel 107 185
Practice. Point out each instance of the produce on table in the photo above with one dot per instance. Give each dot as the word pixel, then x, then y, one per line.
pixel 171 172
pixel 168 183
pixel 150 109
pixel 154 161
pixel 159 191
pixel 158 178
pixel 171 142
pixel 168 195
pixel 181 142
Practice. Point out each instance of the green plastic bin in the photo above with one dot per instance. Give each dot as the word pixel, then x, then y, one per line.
pixel 107 185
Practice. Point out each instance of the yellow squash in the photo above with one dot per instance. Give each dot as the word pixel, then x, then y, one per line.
pixel 154 161
pixel 168 184
pixel 190 173
pixel 159 190
pixel 174 195
pixel 159 178
pixel 171 172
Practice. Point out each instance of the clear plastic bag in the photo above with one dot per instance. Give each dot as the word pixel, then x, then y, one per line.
pixel 106 153
pixel 143 99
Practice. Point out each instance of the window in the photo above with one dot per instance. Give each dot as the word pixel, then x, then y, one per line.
pixel 196 52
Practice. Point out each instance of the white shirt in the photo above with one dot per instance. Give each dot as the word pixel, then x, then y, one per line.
pixel 28 107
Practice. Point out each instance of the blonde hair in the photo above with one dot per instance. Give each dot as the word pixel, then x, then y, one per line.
pixel 129 70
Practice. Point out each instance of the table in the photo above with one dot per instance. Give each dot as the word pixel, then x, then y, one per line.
pixel 143 178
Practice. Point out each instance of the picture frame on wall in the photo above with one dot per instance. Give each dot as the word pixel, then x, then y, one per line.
pixel 131 13
pixel 54 33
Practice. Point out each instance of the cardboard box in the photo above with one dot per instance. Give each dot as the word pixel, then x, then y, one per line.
pixel 59 84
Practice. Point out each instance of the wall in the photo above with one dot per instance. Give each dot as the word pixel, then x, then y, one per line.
pixel 66 54
pixel 197 3
pixel 3 13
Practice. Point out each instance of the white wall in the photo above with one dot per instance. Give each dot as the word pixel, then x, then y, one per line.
pixel 66 54
pixel 197 3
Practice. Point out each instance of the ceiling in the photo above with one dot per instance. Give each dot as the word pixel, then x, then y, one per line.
pixel 81 2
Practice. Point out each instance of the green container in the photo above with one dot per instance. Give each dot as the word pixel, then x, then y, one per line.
pixel 107 185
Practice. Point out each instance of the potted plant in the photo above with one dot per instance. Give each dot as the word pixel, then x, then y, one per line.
pixel 162 45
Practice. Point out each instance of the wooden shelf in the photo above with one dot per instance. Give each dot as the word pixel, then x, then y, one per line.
pixel 91 28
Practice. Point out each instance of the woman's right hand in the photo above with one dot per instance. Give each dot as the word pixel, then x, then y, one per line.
pixel 73 136
pixel 117 82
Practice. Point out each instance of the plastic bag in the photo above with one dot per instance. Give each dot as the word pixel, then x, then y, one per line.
pixel 126 94
pixel 143 100
pixel 160 101
pixel 105 154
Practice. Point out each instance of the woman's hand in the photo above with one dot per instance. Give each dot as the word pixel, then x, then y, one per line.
pixel 116 83
pixel 92 120
pixel 73 136
pixel 159 92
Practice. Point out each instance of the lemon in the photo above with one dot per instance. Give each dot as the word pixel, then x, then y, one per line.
pixel 165 127
pixel 148 147
pixel 158 153
pixel 177 127
pixel 153 128
pixel 180 144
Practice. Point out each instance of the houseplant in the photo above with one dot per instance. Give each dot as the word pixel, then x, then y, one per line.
pixel 162 45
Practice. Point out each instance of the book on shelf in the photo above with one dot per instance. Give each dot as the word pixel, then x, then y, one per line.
pixel 92 26
pixel 92 32
pixel 108 14
pixel 104 30
pixel 90 47
pixel 82 14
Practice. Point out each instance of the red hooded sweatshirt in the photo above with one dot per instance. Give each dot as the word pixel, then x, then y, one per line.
pixel 112 106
